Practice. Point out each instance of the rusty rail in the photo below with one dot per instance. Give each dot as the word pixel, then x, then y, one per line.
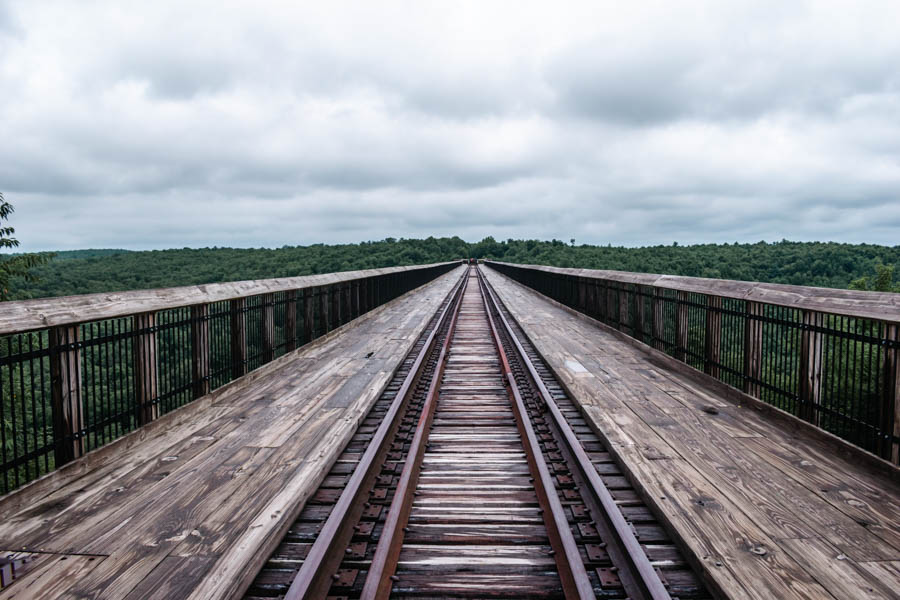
pixel 379 582
pixel 314 577
pixel 575 580
pixel 639 578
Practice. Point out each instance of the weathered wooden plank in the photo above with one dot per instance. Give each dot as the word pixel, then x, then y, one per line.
pixel 172 578
pixel 42 313
pixel 733 483
pixel 884 306
pixel 204 485
pixel 842 576
pixel 52 578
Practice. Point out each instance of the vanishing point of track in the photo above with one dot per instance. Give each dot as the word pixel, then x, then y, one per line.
pixel 475 476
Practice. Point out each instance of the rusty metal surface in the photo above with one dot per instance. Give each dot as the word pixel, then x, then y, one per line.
pixel 638 576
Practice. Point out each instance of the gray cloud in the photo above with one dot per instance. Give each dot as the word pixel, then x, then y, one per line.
pixel 219 124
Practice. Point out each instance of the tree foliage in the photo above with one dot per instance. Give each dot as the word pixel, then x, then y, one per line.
pixel 883 281
pixel 19 265
pixel 799 263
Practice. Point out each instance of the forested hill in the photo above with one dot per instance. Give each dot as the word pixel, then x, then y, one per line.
pixel 819 264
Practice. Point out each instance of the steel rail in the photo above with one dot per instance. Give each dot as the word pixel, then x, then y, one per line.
pixel 575 581
pixel 315 575
pixel 384 563
pixel 639 577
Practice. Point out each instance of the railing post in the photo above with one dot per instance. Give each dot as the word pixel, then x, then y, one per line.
pixel 681 324
pixel 659 323
pixel 811 350
pixel 582 294
pixel 713 335
pixel 290 320
pixel 145 370
pixel 347 303
pixel 891 401
pixel 592 298
pixel 268 327
pixel 65 393
pixel 624 316
pixel 752 348
pixel 238 337
pixel 354 300
pixel 639 312
pixel 335 293
pixel 200 349
pixel 308 321
pixel 610 303
pixel 324 313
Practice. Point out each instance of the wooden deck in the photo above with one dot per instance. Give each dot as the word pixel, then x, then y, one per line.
pixel 185 507
pixel 767 510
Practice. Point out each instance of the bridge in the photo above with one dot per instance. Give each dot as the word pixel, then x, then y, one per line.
pixel 452 431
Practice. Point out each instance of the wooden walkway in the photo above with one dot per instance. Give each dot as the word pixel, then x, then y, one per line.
pixel 182 507
pixel 767 511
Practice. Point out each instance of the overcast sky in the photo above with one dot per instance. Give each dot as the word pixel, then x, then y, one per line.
pixel 168 124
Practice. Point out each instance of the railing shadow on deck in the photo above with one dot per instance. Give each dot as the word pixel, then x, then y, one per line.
pixel 78 372
pixel 829 357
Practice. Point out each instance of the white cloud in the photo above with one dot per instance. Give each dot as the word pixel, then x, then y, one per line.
pixel 210 123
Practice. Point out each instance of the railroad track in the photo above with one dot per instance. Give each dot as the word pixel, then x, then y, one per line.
pixel 475 476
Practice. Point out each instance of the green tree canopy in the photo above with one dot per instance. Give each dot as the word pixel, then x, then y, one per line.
pixel 19 265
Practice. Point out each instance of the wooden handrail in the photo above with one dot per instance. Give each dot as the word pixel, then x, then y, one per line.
pixel 882 306
pixel 41 313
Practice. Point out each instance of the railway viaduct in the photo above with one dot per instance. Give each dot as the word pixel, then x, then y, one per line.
pixel 452 431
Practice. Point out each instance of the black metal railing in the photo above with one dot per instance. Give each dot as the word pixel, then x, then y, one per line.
pixel 75 385
pixel 833 361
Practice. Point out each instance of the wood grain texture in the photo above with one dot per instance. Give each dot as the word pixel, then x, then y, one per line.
pixel 186 507
pixel 40 313
pixel 884 306
pixel 65 393
pixel 758 505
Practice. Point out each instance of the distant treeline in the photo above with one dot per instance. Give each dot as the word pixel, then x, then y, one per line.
pixel 800 263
